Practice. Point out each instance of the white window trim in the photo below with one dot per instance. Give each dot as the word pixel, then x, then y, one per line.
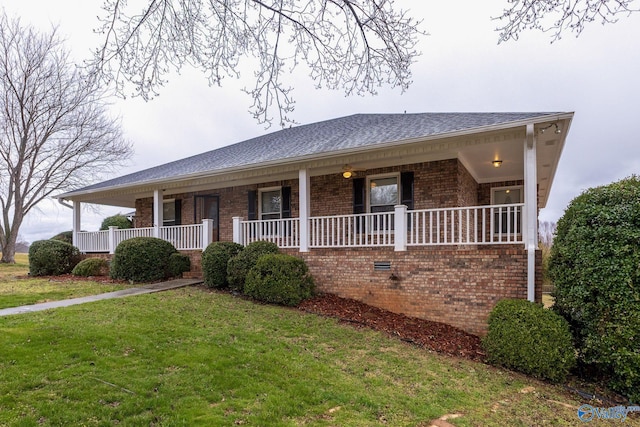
pixel 266 190
pixel 395 175
pixel 508 187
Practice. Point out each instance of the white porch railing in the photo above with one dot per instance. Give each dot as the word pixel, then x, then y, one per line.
pixel 373 229
pixel 183 237
pixel 129 233
pixel 283 232
pixel 92 241
pixel 497 224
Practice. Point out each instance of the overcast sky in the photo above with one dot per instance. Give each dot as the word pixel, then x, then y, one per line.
pixel 462 68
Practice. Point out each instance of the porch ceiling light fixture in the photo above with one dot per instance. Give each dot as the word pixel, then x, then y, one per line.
pixel 347 172
pixel 558 131
pixel 496 163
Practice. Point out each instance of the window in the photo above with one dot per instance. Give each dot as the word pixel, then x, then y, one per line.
pixel 383 193
pixel 168 212
pixel 270 204
pixel 507 219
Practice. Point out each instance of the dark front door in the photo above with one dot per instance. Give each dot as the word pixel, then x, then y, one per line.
pixel 207 207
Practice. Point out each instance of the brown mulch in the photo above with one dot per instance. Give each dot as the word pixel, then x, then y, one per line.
pixel 433 336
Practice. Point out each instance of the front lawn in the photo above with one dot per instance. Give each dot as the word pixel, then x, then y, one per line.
pixel 16 290
pixel 193 357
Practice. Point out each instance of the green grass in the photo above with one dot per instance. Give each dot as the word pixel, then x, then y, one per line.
pixel 15 290
pixel 192 357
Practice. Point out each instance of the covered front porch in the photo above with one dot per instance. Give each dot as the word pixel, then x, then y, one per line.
pixel 472 225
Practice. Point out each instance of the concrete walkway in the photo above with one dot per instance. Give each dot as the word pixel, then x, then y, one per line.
pixel 146 289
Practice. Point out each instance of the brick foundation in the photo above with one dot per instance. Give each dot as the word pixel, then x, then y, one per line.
pixel 454 286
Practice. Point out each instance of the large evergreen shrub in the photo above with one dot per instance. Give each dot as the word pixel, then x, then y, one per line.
pixel 178 264
pixel 64 236
pixel 52 257
pixel 239 265
pixel 279 279
pixel 214 262
pixel 142 259
pixel 118 220
pixel 595 268
pixel 526 337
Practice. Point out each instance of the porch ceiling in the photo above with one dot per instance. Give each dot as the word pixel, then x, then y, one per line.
pixel 476 150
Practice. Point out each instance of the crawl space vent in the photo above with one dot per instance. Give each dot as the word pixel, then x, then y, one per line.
pixel 381 265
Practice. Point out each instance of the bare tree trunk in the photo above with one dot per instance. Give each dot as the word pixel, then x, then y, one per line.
pixel 55 130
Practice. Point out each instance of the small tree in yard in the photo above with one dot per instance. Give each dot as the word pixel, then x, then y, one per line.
pixel 55 133
pixel 118 220
pixel 595 268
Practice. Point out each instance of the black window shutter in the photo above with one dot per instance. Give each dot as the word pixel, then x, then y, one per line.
pixel 286 202
pixel 253 204
pixel 359 196
pixel 406 186
pixel 178 211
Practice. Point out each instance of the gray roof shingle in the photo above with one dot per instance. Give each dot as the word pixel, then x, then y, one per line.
pixel 335 135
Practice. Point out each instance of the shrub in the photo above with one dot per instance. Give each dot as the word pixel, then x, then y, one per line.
pixel 142 259
pixel 91 267
pixel 279 279
pixel 118 220
pixel 65 236
pixel 239 265
pixel 52 257
pixel 526 337
pixel 214 262
pixel 595 268
pixel 178 264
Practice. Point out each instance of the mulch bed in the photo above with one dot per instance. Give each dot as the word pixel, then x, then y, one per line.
pixel 433 336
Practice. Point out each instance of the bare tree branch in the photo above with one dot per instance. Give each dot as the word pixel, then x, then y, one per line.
pixel 356 45
pixel 55 130
pixel 558 16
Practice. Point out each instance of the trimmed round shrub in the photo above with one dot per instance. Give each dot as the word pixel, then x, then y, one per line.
pixel 118 220
pixel 595 269
pixel 239 265
pixel 214 262
pixel 279 279
pixel 91 267
pixel 142 259
pixel 526 337
pixel 178 264
pixel 52 258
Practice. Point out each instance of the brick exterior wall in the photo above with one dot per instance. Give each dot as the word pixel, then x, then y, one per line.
pixel 454 285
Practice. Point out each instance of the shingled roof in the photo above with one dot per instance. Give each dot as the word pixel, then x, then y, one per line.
pixel 359 131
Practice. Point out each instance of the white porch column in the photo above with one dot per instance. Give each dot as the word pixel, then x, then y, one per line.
pixel 304 184
pixel 530 214
pixel 157 212
pixel 400 228
pixel 237 230
pixel 75 227
pixel 207 232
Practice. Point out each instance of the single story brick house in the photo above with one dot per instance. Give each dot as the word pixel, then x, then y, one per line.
pixel 433 215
